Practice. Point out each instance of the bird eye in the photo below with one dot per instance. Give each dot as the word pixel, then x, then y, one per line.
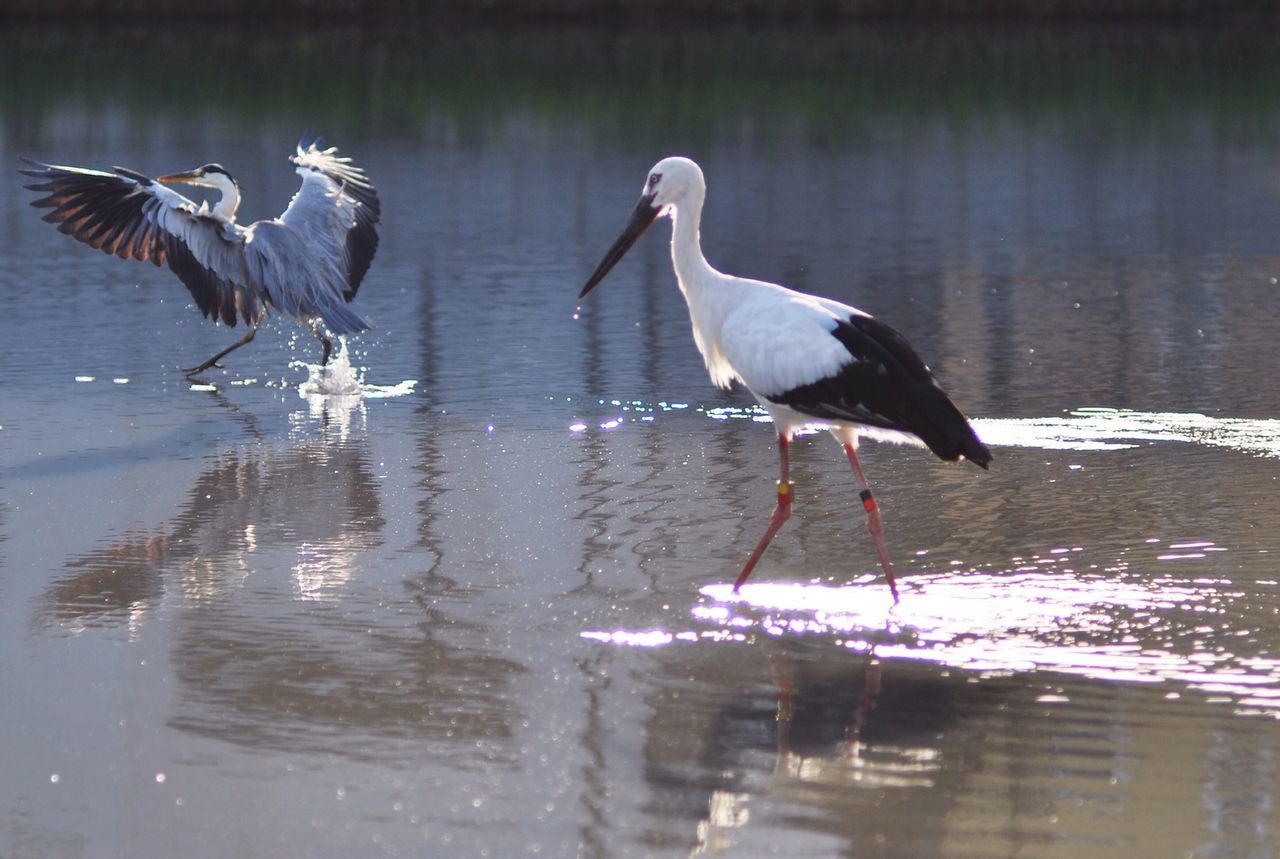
pixel 654 178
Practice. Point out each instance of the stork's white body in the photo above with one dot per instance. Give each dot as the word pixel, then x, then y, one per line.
pixel 769 338
pixel 805 359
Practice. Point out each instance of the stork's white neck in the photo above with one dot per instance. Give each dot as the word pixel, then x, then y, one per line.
pixel 708 293
pixel 230 200
pixel 692 268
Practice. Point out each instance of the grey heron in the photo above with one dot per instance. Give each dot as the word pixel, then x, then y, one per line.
pixel 308 263
pixel 806 359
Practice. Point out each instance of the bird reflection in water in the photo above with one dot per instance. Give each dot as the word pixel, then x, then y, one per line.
pixel 317 498
pixel 118 581
pixel 850 747
pixel 840 735
pixel 280 637
pixel 832 729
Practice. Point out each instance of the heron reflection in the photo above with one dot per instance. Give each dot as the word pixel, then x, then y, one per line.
pixel 316 501
pixel 282 634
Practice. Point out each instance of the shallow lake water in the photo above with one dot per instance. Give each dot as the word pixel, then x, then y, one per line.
pixel 483 607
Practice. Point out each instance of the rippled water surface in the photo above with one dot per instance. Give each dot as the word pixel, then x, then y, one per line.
pixel 468 594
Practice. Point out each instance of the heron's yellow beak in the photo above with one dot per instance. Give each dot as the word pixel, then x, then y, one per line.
pixel 188 176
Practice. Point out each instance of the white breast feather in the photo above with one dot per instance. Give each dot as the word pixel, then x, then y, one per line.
pixel 718 366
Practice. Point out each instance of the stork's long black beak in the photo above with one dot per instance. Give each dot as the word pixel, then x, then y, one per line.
pixel 642 216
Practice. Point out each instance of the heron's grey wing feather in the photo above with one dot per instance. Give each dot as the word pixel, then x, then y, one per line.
pixel 296 278
pixel 130 216
pixel 103 210
pixel 337 207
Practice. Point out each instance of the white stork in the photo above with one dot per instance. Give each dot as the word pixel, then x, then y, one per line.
pixel 806 359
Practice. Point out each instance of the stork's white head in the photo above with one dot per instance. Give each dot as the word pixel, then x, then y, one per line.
pixel 673 182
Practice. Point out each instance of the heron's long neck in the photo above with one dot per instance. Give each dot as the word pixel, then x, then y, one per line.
pixel 230 201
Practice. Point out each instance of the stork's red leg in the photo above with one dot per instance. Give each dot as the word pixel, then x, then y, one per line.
pixel 780 513
pixel 873 518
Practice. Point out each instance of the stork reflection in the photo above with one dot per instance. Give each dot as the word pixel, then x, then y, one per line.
pixel 850 746
pixel 839 734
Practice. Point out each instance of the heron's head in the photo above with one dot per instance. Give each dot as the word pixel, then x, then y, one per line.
pixel 211 176
pixel 208 176
pixel 672 182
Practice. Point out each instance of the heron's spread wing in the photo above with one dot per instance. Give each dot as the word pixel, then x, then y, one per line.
pixel 284 261
pixel 337 210
pixel 130 216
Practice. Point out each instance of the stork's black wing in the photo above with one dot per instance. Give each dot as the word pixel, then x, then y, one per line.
pixel 885 384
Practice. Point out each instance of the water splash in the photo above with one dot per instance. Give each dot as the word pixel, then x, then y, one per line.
pixel 339 378
pixel 381 392
pixel 334 379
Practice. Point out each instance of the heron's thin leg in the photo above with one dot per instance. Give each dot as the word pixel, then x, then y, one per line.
pixel 213 362
pixel 873 518
pixel 780 514
pixel 324 341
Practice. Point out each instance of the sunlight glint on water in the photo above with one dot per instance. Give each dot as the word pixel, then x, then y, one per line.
pixel 994 624
pixel 1102 429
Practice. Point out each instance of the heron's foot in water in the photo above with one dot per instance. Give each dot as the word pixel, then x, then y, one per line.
pixel 195 371
pixel 213 362
pixel 325 343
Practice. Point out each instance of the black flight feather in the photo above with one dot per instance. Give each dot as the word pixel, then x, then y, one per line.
pixel 886 385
